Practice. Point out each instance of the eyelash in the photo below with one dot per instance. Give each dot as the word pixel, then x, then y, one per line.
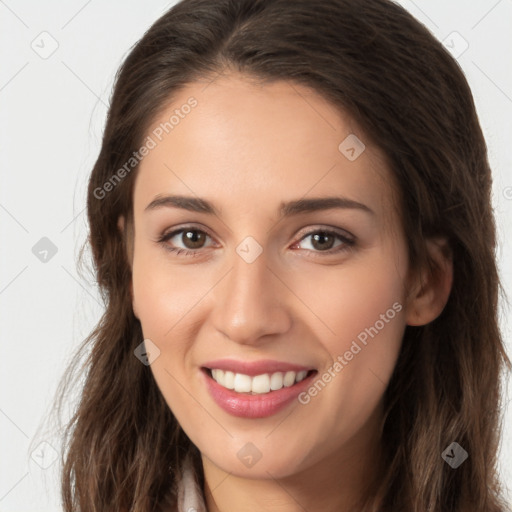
pixel 347 244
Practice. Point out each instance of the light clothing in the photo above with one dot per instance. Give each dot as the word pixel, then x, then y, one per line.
pixel 190 495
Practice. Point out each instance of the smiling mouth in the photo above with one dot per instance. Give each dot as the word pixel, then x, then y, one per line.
pixel 257 384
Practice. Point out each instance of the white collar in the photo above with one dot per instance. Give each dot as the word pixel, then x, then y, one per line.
pixel 190 495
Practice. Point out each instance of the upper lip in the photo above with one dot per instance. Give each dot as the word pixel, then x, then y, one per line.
pixel 253 368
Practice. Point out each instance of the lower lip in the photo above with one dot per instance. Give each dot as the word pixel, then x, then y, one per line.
pixel 254 406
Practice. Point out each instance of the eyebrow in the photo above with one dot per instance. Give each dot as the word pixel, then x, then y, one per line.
pixel 286 209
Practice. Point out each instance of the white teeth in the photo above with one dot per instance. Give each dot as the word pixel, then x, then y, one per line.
pixel 243 383
pixel 276 381
pixel 259 384
pixel 301 375
pixel 229 380
pixel 289 379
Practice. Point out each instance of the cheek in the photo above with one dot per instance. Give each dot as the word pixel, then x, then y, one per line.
pixel 351 299
pixel 361 321
pixel 163 294
pixel 169 302
pixel 363 305
pixel 164 299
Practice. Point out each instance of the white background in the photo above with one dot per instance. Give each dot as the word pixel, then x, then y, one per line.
pixel 52 116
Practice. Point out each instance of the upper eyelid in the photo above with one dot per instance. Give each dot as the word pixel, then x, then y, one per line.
pixel 338 231
pixel 175 231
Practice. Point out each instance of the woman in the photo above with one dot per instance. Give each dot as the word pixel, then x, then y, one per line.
pixel 290 220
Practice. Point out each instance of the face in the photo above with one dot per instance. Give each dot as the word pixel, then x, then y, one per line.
pixel 255 281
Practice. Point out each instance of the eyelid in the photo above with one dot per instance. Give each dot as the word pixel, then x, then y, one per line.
pixel 192 227
pixel 343 233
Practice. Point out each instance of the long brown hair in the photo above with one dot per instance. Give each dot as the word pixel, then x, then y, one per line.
pixel 123 446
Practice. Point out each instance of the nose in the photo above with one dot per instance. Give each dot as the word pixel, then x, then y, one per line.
pixel 250 303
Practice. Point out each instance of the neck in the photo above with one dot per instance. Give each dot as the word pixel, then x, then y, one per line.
pixel 338 483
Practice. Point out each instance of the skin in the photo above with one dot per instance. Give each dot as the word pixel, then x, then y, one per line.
pixel 246 148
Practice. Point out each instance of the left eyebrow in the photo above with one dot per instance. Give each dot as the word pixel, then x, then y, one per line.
pixel 321 203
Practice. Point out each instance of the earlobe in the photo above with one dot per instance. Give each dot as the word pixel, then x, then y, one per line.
pixel 431 289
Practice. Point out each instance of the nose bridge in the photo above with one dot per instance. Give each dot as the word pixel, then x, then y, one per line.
pixel 250 303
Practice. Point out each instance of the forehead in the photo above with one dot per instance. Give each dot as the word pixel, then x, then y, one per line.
pixel 254 145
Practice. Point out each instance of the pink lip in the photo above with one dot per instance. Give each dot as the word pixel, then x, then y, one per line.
pixel 254 406
pixel 253 368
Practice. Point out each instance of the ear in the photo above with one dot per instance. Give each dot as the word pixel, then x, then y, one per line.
pixel 430 287
pixel 121 224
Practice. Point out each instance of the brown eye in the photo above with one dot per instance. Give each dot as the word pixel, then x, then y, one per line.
pixel 188 241
pixel 322 240
pixel 193 238
pixel 326 241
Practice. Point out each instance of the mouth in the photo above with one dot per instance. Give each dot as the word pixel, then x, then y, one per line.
pixel 260 384
pixel 262 390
